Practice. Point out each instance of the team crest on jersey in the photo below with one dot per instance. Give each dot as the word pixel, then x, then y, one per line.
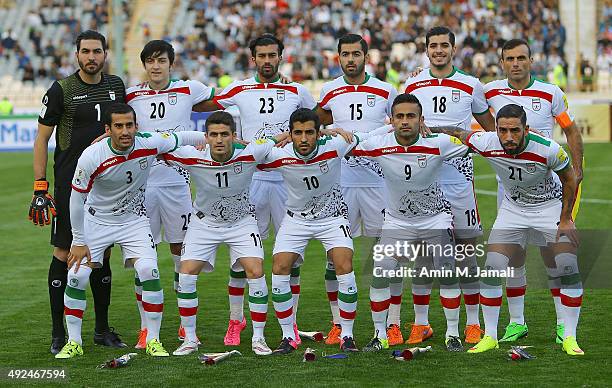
pixel 531 167
pixel 111 94
pixel 324 167
pixel 422 160
pixel 280 95
pixel 143 163
pixel 536 104
pixel 371 100
pixel 172 97
pixel 238 168
pixel 456 96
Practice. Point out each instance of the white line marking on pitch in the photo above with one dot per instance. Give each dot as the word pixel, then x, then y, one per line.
pixel 585 200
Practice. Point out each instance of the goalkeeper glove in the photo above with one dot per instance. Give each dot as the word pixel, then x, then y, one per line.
pixel 42 204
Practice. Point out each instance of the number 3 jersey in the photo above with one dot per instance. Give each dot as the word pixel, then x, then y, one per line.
pixel 359 108
pixel 265 109
pixel 450 101
pixel 527 177
pixel 115 181
pixel 222 194
pixel 167 110
pixel 313 183
pixel 412 173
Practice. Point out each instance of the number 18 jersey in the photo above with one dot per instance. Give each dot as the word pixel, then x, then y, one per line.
pixel 450 101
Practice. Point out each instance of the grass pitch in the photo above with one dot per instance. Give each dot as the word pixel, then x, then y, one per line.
pixel 25 321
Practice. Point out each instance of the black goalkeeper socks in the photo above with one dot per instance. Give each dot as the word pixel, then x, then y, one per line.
pixel 100 281
pixel 58 274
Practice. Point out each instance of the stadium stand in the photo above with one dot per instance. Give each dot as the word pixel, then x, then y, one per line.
pixel 211 37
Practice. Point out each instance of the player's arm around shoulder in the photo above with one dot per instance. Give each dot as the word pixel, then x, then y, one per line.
pixel 183 156
pixel 452 146
pixel 452 131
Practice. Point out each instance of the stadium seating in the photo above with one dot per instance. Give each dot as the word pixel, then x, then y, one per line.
pixel 210 37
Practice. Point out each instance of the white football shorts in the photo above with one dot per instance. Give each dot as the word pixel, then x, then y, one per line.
pixel 203 239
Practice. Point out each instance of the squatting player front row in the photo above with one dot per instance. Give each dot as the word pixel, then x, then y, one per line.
pixel 402 182
pixel 111 176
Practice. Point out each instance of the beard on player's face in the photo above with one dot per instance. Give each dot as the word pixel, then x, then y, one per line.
pixel 268 70
pixel 514 147
pixel 352 69
pixel 91 67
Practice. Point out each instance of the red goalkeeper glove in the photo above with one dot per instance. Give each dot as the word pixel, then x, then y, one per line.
pixel 42 204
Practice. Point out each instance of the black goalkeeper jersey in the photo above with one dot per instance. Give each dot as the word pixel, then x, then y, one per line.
pixel 76 109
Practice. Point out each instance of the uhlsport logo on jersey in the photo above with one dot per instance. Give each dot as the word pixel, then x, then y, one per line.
pixel 143 163
pixel 536 103
pixel 238 168
pixel 531 167
pixel 456 96
pixel 280 95
pixel 111 94
pixel 371 100
pixel 422 160
pixel 172 97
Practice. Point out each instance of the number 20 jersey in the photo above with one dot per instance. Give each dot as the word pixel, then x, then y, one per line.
pixel 167 110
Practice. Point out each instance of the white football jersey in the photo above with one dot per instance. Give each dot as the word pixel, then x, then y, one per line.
pixel 167 110
pixel 265 109
pixel 222 189
pixel 313 185
pixel 450 101
pixel 115 181
pixel 528 177
pixel 359 108
pixel 412 173
pixel 543 102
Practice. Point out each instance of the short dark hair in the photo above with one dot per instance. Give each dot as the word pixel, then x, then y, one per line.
pixel 220 117
pixel 512 111
pixel 440 30
pixel 90 35
pixel 156 48
pixel 117 108
pixel 266 40
pixel 407 98
pixel 303 115
pixel 353 38
pixel 513 43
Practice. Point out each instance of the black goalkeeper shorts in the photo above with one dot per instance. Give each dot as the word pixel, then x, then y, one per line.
pixel 61 230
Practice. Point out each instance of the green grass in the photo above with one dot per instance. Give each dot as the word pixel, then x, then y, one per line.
pixel 25 322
